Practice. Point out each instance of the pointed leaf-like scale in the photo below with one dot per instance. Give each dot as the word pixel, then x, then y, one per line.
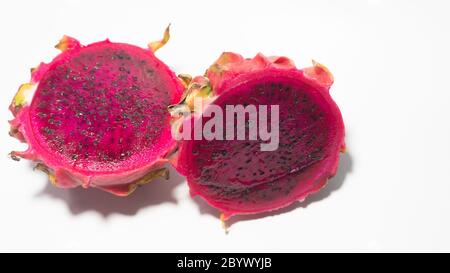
pixel 319 74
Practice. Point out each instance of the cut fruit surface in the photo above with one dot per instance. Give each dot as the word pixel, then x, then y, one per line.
pixel 98 116
pixel 236 176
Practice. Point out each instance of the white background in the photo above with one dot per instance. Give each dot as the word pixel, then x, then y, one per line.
pixel 390 60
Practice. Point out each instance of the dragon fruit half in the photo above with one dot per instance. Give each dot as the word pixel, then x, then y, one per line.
pixel 96 115
pixel 236 176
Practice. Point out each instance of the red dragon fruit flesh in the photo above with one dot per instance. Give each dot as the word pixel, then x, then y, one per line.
pixel 236 176
pixel 96 115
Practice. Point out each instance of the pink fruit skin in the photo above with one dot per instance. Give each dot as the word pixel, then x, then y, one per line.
pixel 113 139
pixel 224 187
